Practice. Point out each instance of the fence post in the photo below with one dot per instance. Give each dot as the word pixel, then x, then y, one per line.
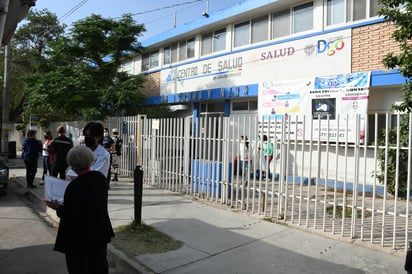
pixel 138 194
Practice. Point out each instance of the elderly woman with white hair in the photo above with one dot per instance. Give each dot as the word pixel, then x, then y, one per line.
pixel 85 228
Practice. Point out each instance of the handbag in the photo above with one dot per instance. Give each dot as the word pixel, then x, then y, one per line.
pixel 408 260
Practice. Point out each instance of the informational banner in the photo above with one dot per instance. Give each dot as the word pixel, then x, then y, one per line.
pixel 332 108
pixel 323 54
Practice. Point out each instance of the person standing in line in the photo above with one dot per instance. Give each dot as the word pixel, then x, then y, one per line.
pixel 108 144
pixel 118 142
pixel 85 228
pixel 93 139
pixel 243 154
pixel 60 146
pixel 31 152
pixel 47 156
pixel 267 150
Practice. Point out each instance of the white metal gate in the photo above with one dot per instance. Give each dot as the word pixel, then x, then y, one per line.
pixel 352 189
pixel 314 183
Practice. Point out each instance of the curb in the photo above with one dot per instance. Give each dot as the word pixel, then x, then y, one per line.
pixel 122 264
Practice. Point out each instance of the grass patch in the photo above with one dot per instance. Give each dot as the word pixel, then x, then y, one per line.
pixel 347 212
pixel 136 239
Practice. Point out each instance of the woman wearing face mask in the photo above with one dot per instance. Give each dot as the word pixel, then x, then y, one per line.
pixel 93 138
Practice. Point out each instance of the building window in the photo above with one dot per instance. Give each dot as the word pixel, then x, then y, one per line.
pixel 297 19
pixel 145 62
pixel 341 11
pixel 213 42
pixel 170 54
pixel 182 50
pixel 303 18
pixel 374 8
pixel 358 10
pixel 335 12
pixel 244 106
pixel 242 34
pixel 219 40
pixel 174 48
pixel 186 49
pixel 260 29
pixel 167 55
pixel 206 46
pixel 281 24
pixel 215 107
pixel 239 106
pixel 154 59
pixel 190 46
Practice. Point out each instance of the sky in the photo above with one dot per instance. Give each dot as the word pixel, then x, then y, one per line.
pixel 157 15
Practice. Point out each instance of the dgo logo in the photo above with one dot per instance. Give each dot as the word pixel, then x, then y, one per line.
pixel 331 47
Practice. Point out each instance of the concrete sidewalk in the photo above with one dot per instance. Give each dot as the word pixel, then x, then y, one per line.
pixel 217 240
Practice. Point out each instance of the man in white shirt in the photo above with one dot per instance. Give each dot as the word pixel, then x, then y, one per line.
pixel 93 138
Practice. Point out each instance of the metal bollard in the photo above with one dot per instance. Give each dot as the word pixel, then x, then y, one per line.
pixel 138 194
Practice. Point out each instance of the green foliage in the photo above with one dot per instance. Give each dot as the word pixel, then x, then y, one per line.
pixel 76 75
pixel 28 46
pixel 400 14
pixel 388 156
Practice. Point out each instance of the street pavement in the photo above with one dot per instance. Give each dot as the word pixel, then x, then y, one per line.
pixel 216 240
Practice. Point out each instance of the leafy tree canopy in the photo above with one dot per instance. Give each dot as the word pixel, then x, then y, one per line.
pixel 82 80
pixel 400 14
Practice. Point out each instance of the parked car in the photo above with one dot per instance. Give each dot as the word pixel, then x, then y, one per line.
pixel 4 176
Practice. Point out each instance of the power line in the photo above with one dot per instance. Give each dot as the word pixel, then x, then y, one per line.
pixel 72 10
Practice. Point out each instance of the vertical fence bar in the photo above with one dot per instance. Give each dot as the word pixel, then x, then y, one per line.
pixel 365 148
pixel 310 174
pixel 318 169
pixel 287 159
pixel 408 186
pixel 398 148
pixel 375 179
pixel 335 183
pixel 303 142
pixel 385 180
pixel 345 176
pixel 326 179
pixel 355 179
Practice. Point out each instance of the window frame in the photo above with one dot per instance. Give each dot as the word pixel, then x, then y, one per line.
pixel 243 27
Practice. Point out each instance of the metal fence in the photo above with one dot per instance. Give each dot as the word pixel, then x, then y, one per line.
pixel 357 188
pixel 334 185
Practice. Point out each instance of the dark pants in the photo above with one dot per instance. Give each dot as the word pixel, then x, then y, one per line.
pixel 59 169
pixel 89 261
pixel 46 166
pixel 31 169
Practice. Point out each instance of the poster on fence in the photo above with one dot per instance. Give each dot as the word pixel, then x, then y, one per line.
pixel 331 108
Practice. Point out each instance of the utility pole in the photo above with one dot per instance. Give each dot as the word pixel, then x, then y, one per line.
pixel 5 114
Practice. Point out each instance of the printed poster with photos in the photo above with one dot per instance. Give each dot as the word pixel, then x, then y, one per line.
pixel 325 108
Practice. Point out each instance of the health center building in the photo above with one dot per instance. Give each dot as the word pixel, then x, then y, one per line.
pixel 265 57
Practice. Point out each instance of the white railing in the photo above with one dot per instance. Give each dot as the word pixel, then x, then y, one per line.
pixel 311 182
pixel 357 188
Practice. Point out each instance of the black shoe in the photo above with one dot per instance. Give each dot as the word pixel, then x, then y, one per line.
pixel 32 186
